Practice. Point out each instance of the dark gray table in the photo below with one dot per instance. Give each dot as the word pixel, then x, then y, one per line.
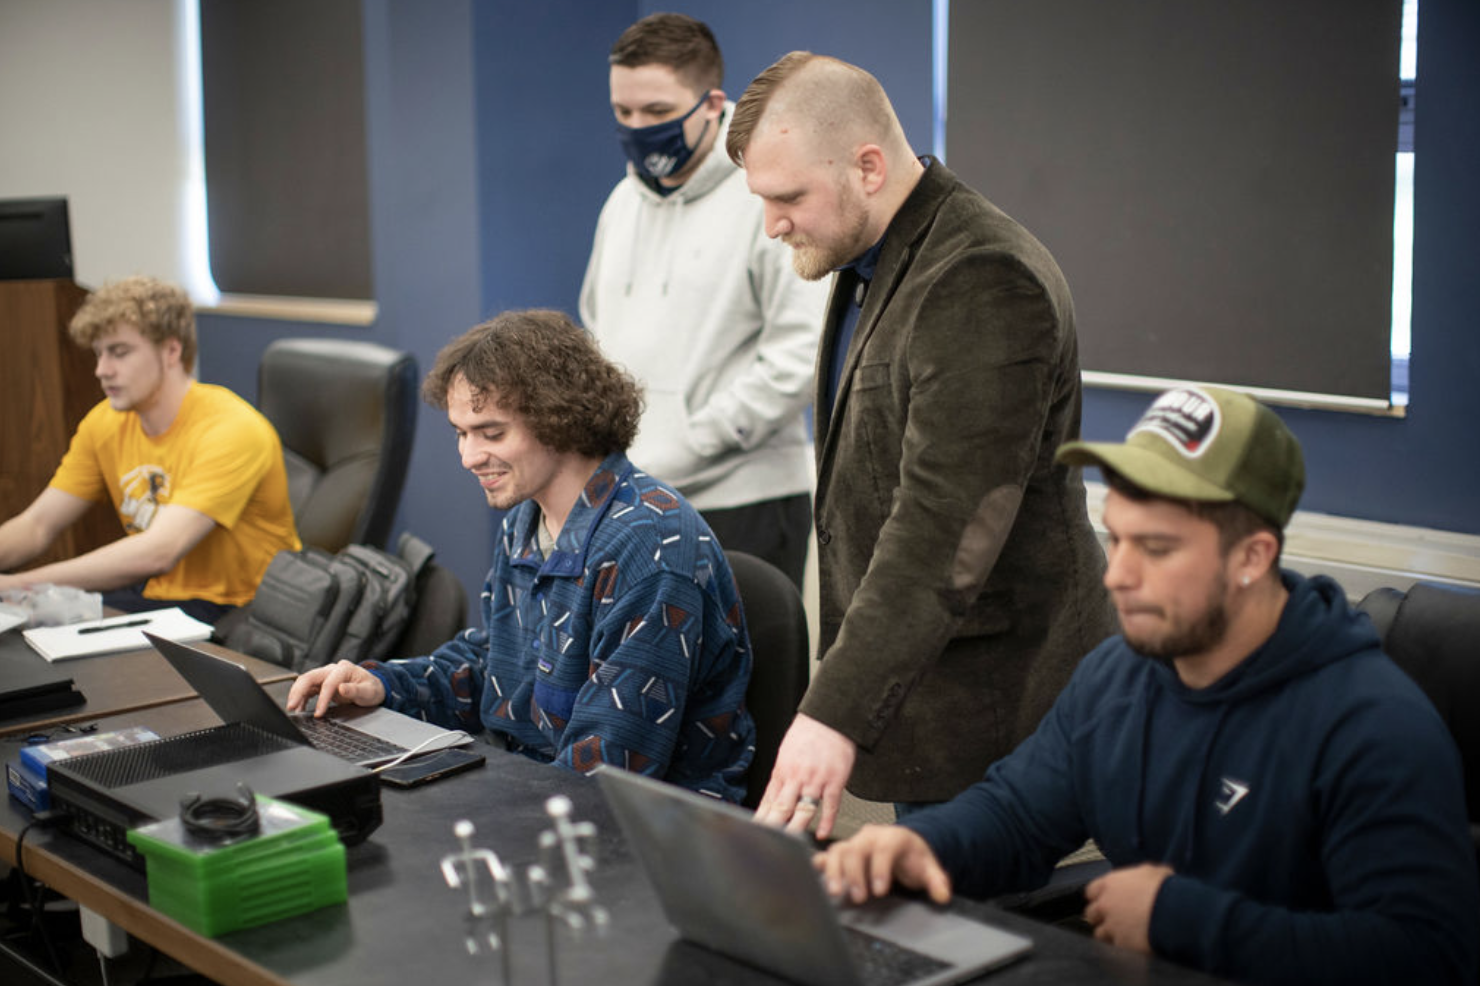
pixel 403 924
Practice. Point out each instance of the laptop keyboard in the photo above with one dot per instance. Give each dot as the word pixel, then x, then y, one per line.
pixel 883 963
pixel 343 741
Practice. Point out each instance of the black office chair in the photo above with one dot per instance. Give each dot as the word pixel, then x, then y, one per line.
pixel 1432 632
pixel 441 609
pixel 779 674
pixel 346 413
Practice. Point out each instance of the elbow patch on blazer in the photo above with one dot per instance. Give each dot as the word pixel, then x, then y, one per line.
pixel 982 540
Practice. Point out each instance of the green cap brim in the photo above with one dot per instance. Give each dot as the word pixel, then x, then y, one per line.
pixel 1151 472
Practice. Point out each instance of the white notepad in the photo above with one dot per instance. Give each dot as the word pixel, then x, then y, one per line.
pixel 10 618
pixel 115 633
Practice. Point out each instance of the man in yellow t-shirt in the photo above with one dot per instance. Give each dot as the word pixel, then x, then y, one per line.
pixel 194 472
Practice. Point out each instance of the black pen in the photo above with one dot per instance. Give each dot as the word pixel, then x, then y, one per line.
pixel 117 626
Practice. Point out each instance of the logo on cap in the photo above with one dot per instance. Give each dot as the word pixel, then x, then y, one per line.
pixel 1189 419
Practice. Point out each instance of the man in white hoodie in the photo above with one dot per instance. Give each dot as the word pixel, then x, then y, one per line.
pixel 686 291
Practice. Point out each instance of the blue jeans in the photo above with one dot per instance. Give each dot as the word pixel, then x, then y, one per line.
pixel 773 530
pixel 903 808
pixel 131 599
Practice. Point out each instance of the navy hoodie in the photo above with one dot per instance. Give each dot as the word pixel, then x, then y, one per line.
pixel 1310 802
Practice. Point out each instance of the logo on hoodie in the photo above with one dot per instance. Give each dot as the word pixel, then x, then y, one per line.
pixel 1230 794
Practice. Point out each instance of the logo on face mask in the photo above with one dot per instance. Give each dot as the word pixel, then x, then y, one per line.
pixel 659 165
pixel 660 150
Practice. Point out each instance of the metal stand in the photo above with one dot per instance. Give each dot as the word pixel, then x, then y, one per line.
pixel 573 907
pixel 488 921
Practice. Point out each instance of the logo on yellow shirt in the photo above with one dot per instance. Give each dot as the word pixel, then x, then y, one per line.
pixel 143 489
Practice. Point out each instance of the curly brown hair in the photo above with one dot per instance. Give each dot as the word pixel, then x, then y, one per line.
pixel 540 365
pixel 158 310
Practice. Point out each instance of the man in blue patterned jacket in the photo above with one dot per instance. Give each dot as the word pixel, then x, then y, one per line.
pixel 612 630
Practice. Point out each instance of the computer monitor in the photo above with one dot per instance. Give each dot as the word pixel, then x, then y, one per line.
pixel 35 241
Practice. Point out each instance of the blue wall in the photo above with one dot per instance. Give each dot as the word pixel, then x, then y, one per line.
pixel 546 138
pixel 890 38
pixel 426 250
pixel 491 151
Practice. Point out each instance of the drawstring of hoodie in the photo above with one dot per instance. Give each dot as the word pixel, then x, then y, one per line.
pixel 670 241
pixel 1184 856
pixel 667 212
pixel 1139 844
pixel 1184 853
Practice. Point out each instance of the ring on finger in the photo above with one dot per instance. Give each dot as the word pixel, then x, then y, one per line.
pixel 808 802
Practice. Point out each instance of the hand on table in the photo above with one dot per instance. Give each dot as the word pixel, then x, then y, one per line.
pixel 1120 904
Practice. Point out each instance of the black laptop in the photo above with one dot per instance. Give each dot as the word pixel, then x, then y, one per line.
pixel 749 892
pixel 30 686
pixel 366 736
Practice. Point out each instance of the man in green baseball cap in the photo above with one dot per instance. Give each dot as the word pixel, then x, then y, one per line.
pixel 1276 800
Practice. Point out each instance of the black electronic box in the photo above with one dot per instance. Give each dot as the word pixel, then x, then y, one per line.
pixel 108 793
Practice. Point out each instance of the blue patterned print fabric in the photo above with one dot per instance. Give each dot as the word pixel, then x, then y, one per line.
pixel 625 646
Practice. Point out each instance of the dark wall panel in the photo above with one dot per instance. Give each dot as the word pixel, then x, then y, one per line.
pixel 284 111
pixel 1216 179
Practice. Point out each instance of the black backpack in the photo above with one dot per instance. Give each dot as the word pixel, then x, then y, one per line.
pixel 313 608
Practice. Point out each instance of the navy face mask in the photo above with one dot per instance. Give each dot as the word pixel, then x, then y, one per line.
pixel 659 151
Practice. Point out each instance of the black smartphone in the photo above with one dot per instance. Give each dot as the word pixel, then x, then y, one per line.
pixel 431 766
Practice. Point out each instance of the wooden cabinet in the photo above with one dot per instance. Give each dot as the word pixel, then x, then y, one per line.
pixel 46 386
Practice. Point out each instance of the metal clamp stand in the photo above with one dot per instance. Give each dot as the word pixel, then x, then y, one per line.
pixel 488 922
pixel 575 906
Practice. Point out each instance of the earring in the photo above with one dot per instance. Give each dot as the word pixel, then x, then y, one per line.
pixel 1244 581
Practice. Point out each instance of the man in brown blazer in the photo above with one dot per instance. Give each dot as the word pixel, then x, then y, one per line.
pixel 960 578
